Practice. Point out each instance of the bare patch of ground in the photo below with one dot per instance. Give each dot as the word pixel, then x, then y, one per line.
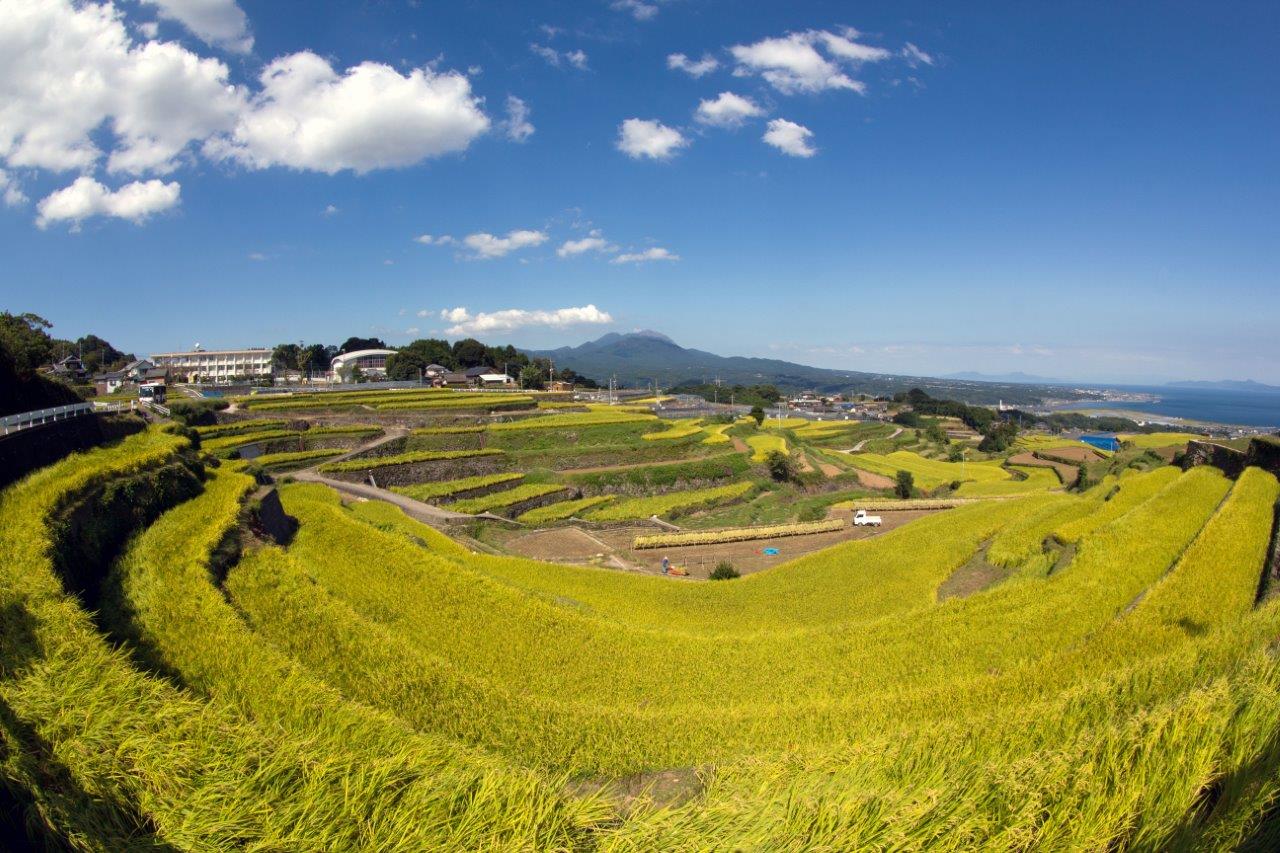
pixel 973 577
pixel 740 445
pixel 1072 454
pixel 1066 473
pixel 874 481
pixel 661 788
pixel 829 470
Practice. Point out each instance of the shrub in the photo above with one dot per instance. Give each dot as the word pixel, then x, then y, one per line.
pixel 724 571
pixel 904 484
pixel 780 465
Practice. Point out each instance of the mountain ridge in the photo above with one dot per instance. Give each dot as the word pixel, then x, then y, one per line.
pixel 643 357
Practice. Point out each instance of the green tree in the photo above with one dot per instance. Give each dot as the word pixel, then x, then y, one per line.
pixel 780 466
pixel 905 485
pixel 353 344
pixel 758 414
pixel 956 453
pixel 24 338
pixel 935 432
pixel 285 356
pixel 1082 478
pixel 469 352
pixel 531 377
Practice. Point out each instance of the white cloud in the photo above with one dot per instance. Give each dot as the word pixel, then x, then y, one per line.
pixel 554 58
pixel 257 256
pixel 216 22
pixel 793 63
pixel 593 242
pixel 308 116
pixel 67 70
pixel 510 319
pixel 488 246
pixel 86 197
pixel 13 194
pixel 150 29
pixel 429 240
pixel 646 138
pixel 425 312
pixel 727 110
pixel 517 125
pixel 915 56
pixel 331 210
pixel 680 62
pixel 790 138
pixel 655 254
pixel 638 9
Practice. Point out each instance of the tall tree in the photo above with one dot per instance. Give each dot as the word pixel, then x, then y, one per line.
pixel 24 337
pixel 352 344
pixel 469 352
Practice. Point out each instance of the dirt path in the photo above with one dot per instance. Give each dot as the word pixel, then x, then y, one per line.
pixel 806 467
pixel 391 434
pixel 415 509
pixel 740 445
pixel 857 447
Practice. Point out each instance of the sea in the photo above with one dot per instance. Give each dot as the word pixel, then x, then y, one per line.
pixel 1211 405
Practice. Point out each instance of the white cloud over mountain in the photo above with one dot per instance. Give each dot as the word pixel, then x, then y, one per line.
pixel 467 324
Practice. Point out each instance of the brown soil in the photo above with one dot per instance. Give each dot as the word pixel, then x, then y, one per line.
pixel 829 470
pixel 874 481
pixel 559 544
pixel 1072 454
pixel 973 577
pixel 1066 473
pixel 806 467
pixel 740 445
pixel 747 557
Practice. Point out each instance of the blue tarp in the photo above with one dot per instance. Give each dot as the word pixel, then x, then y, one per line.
pixel 1102 441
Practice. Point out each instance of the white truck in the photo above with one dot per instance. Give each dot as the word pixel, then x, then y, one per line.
pixel 861 519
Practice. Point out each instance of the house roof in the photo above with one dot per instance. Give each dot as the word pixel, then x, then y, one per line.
pixel 138 362
pixel 473 372
pixel 494 377
pixel 155 373
pixel 438 368
pixel 114 375
pixel 456 377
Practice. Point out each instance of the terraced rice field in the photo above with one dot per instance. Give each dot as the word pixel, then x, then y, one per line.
pixel 928 473
pixel 373 685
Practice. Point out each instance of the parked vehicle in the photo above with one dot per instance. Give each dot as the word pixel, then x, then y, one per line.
pixel 152 392
pixel 861 519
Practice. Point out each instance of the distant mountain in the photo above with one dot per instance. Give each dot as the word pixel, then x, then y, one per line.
pixel 639 358
pixel 1225 385
pixel 1015 378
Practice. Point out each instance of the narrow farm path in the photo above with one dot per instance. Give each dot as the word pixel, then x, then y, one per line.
pixel 415 509
pixel 857 447
pixel 391 434
pixel 740 445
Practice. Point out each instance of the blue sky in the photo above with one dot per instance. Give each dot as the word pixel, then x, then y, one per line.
pixel 1084 190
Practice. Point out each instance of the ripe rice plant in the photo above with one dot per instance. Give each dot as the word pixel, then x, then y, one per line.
pixel 573 420
pixel 447 488
pixel 763 445
pixel 1037 480
pixel 231 442
pixel 375 685
pixel 880 504
pixel 275 460
pixel 740 534
pixel 675 430
pixel 506 498
pixel 928 473
pixel 449 430
pixel 366 463
pixel 562 509
pixel 1159 439
pixel 233 427
pixel 462 400
pixel 716 434
pixel 670 503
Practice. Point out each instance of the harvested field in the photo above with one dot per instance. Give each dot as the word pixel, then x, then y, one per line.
pixel 1066 473
pixel 1071 454
pixel 874 481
